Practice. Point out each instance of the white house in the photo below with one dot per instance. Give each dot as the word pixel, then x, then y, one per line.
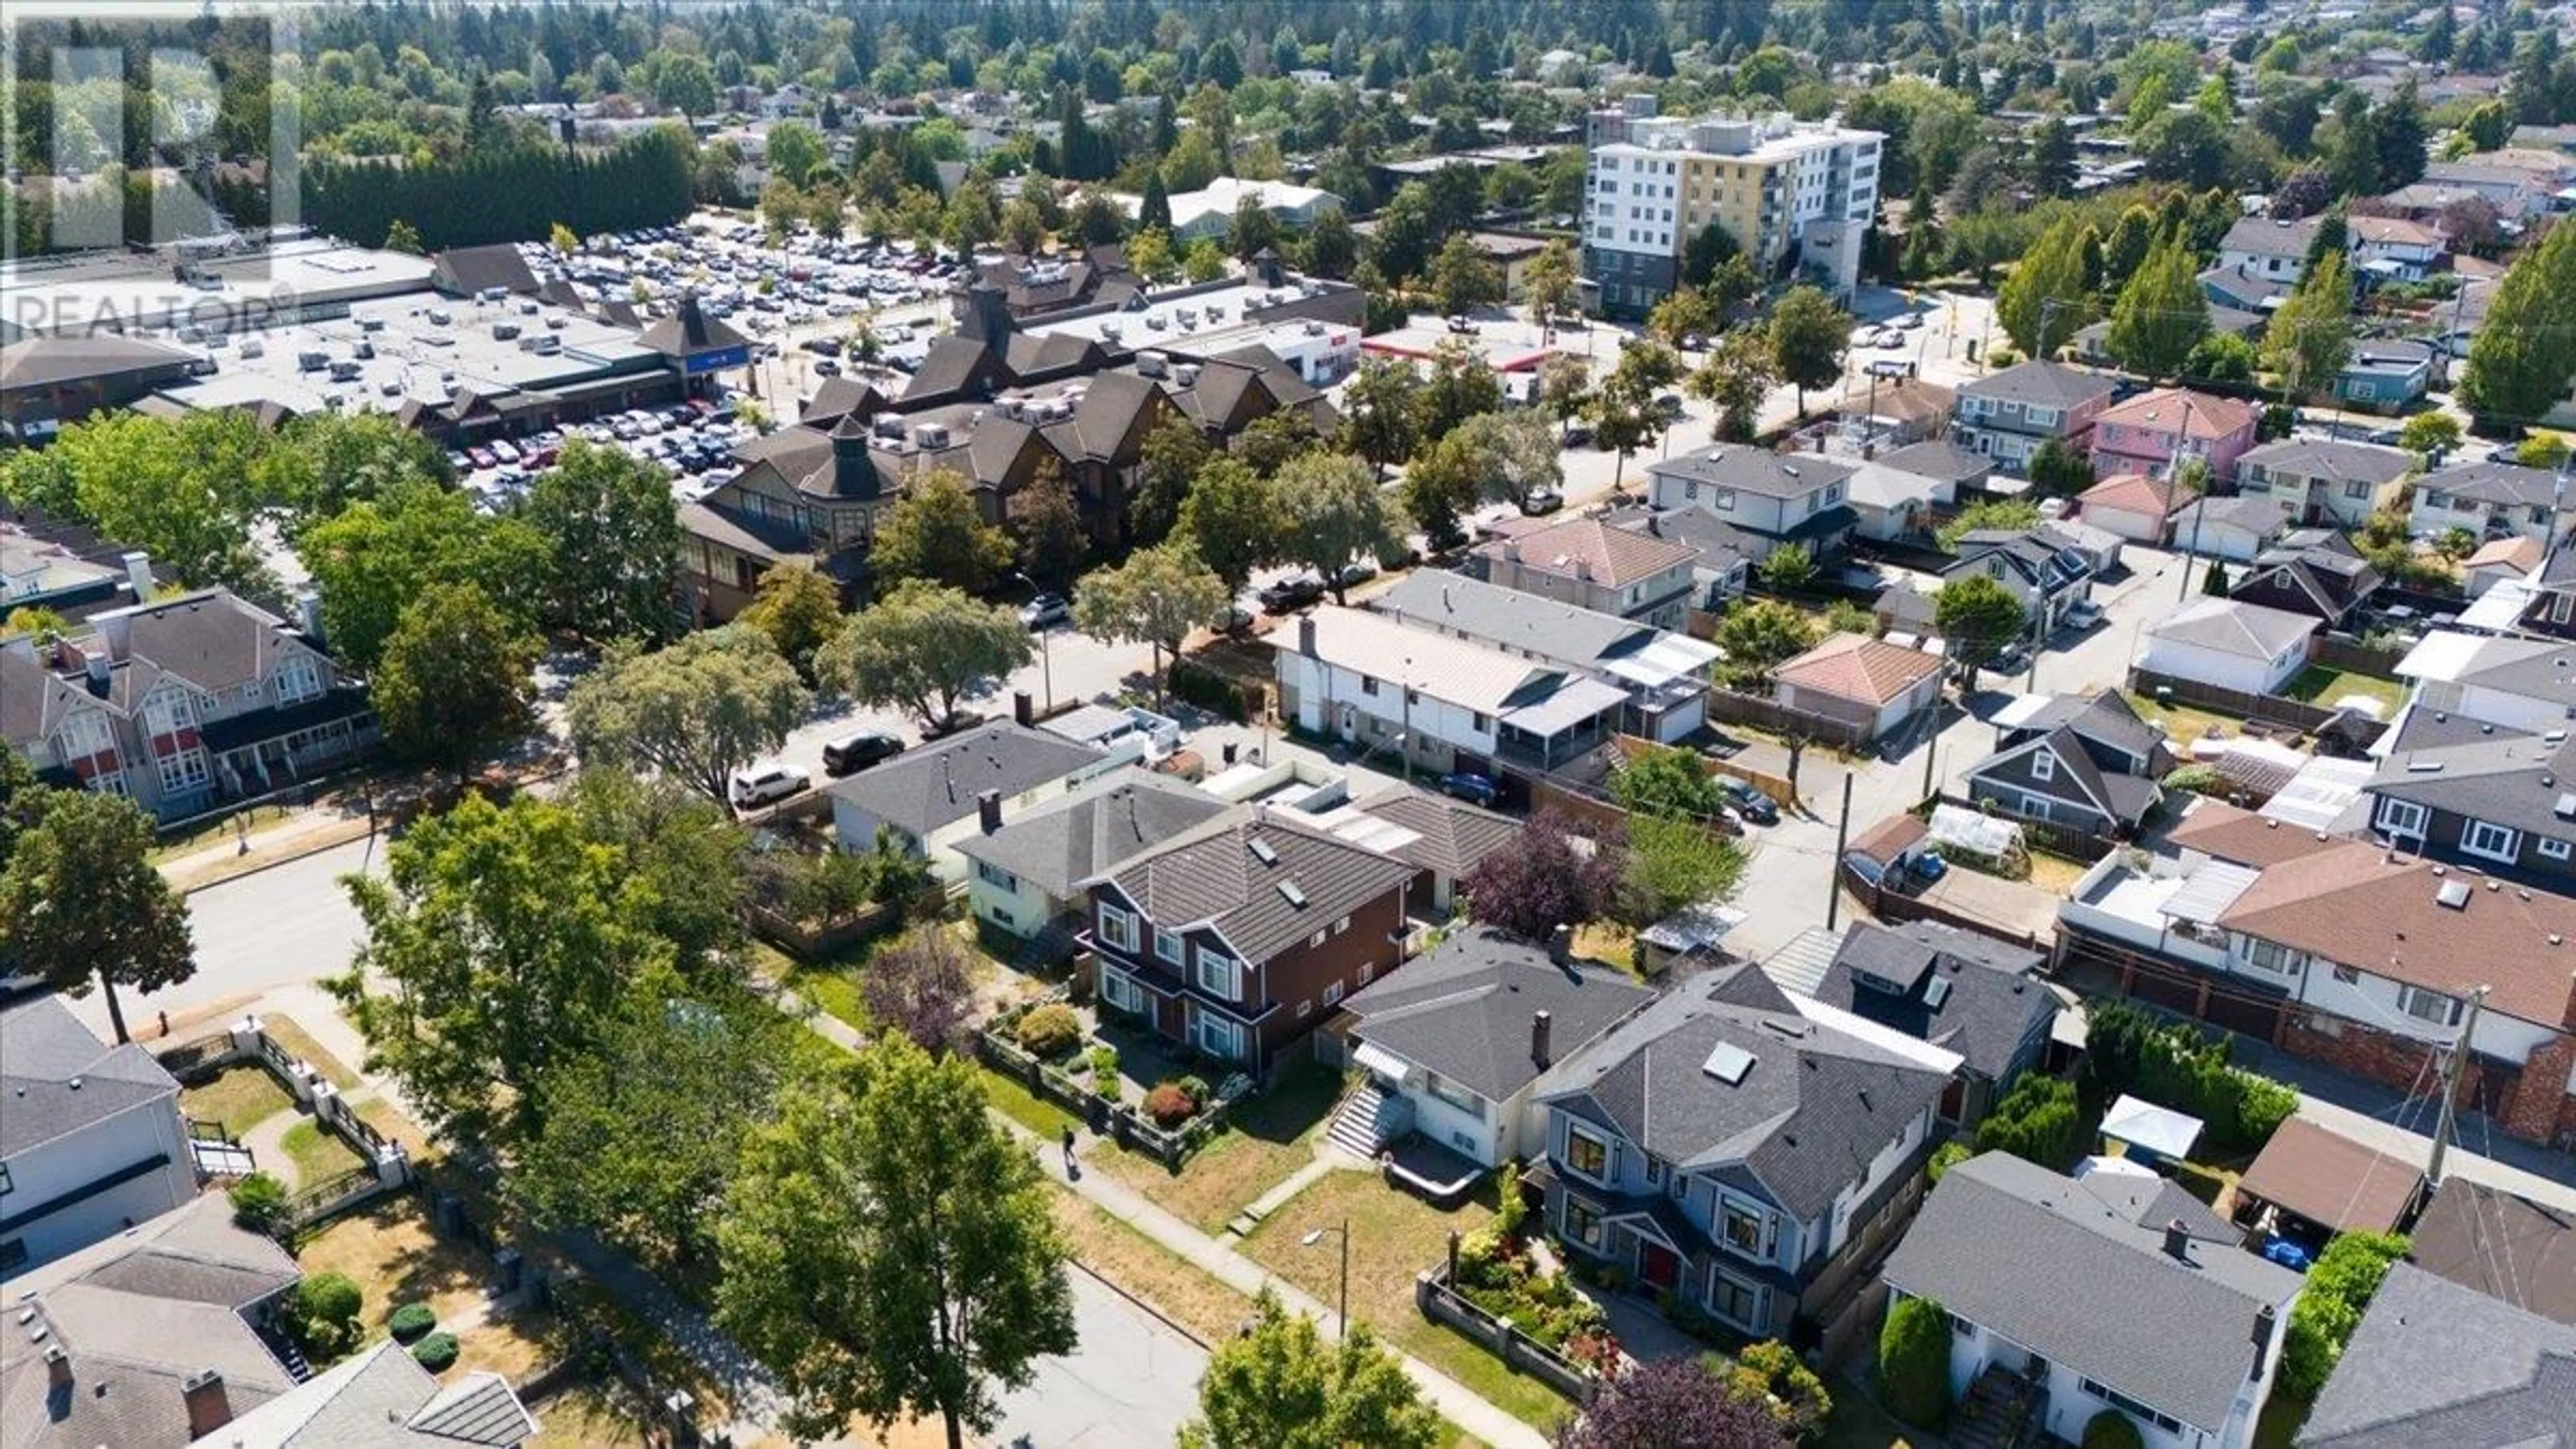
pixel 928 800
pixel 2220 642
pixel 2115 1292
pixel 2277 251
pixel 2488 499
pixel 91 1140
pixel 1440 702
pixel 1025 876
pixel 2394 247
pixel 1454 1042
pixel 2521 684
pixel 2235 529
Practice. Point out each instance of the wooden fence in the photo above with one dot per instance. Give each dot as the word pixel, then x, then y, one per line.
pixel 2344 652
pixel 1896 908
pixel 1734 707
pixel 2260 708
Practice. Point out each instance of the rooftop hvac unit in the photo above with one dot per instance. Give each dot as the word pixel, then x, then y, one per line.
pixel 1314 328
pixel 1151 364
pixel 1112 330
pixel 931 435
pixel 1187 374
pixel 889 426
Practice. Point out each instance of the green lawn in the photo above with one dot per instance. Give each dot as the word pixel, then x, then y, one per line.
pixel 1028 1109
pixel 2321 687
pixel 239 1098
pixel 830 985
pixel 1268 1138
pixel 1393 1236
pixel 317 1154
pixel 2182 722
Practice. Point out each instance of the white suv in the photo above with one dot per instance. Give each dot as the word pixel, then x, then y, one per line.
pixel 767 785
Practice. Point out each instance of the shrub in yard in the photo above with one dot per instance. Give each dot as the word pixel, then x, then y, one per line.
pixel 259 1203
pixel 1950 1155
pixel 436 1352
pixel 2111 1429
pixel 325 1315
pixel 1196 1089
pixel 2339 1289
pixel 1169 1106
pixel 1050 1031
pixel 2037 1121
pixel 1104 1068
pixel 1914 1362
pixel 411 1321
pixel 1771 1374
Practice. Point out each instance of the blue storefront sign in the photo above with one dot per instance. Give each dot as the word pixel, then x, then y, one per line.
pixel 716 361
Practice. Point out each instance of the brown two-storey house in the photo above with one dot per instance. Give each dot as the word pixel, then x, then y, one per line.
pixel 1239 937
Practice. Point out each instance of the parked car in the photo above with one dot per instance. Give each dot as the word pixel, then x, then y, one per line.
pixel 1044 610
pixel 1358 571
pixel 2081 615
pixel 957 721
pixel 767 785
pixel 1751 804
pixel 853 753
pixel 1471 787
pixel 1293 592
pixel 1542 501
pixel 1577 435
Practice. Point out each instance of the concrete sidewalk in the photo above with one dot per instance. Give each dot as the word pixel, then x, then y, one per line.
pixel 1461 1405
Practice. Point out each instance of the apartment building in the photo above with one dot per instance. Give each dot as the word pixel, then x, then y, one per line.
pixel 1780 187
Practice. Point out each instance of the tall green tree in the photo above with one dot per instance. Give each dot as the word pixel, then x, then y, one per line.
pixel 1808 337
pixel 498 943
pixel 1156 597
pixel 2045 302
pixel 81 903
pixel 186 491
pixel 1048 524
pixel 1737 379
pixel 889 1251
pixel 324 462
pixel 1625 415
pixel 1173 453
pixel 1667 782
pixel 1333 512
pixel 1231 521
pixel 1278 1385
pixel 612 534
pixel 1758 636
pixel 1463 278
pixel 686 852
pixel 2518 365
pixel 798 608
pixel 937 533
pixel 2309 339
pixel 1382 410
pixel 1978 618
pixel 1548 283
pixel 697 711
pixel 457 678
pixel 378 555
pixel 2162 313
pixel 924 648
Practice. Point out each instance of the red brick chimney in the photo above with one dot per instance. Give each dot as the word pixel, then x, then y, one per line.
pixel 209 1406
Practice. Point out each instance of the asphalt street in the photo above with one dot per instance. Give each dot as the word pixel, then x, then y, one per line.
pixel 1132 1383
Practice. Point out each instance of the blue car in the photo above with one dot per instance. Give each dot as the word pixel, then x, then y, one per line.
pixel 1471 787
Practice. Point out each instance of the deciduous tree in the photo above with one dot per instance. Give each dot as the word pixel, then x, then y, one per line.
pixel 922 984
pixel 379 555
pixel 1736 379
pixel 1333 512
pixel 2162 313
pixel 923 648
pixel 1463 278
pixel 1231 521
pixel 1666 1403
pixel 1758 635
pixel 1382 410
pixel 1173 453
pixel 1544 878
pixel 697 711
pixel 1625 414
pixel 888 1251
pixel 1668 782
pixel 185 491
pixel 1978 618
pixel 1809 335
pixel 1049 525
pixel 81 903
pixel 612 534
pixel 1548 283
pixel 457 678
pixel 798 609
pixel 1278 1385
pixel 937 534
pixel 1156 597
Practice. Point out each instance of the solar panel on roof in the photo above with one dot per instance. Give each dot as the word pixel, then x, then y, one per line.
pixel 1728 1063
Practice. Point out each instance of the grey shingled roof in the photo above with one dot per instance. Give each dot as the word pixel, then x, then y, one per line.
pixel 1993 1002
pixel 2076 1272
pixel 1938 458
pixel 1755 470
pixel 1510 619
pixel 2105 716
pixel 2264 237
pixel 2248 630
pixel 382 1397
pixel 2510 484
pixel 1213 876
pixel 1465 1009
pixel 44 1052
pixel 2492 1242
pixel 1805 1122
pixel 2330 458
pixel 2512 779
pixel 2050 384
pixel 935 785
pixel 1451 836
pixel 1105 821
pixel 212 638
pixel 2436 1363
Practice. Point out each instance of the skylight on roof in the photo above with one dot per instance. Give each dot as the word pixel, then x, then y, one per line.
pixel 1262 852
pixel 1289 892
pixel 1937 992
pixel 1728 1063
pixel 2454 893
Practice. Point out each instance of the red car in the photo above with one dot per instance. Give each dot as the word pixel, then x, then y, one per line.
pixel 482 457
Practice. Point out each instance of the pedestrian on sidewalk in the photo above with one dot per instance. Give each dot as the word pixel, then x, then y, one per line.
pixel 1072 1170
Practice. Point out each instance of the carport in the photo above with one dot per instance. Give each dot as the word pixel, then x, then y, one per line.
pixel 2310 1183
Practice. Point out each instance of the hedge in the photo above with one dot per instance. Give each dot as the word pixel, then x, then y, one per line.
pixel 411 1321
pixel 1050 1031
pixel 2037 1121
pixel 2339 1289
pixel 2111 1429
pixel 2130 1049
pixel 436 1352
pixel 1914 1362
pixel 1195 683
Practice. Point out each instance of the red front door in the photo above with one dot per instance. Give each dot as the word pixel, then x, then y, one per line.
pixel 1656 1265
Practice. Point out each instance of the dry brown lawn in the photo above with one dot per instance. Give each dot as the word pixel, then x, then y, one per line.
pixel 300 1043
pixel 1270 1136
pixel 240 1098
pixel 1177 1288
pixel 389 1251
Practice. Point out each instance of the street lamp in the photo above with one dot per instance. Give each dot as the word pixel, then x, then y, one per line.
pixel 1342 1323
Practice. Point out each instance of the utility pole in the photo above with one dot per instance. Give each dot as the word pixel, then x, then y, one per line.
pixel 2173 475
pixel 2451 1071
pixel 1842 835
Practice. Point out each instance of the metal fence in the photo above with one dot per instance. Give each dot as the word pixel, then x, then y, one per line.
pixel 1116 1120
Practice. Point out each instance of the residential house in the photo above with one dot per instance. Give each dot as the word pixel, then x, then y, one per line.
pixel 2115 1291
pixel 2490 500
pixel 2544 599
pixel 1240 936
pixel 2088 762
pixel 1867 688
pixel 2315 571
pixel 160 1337
pixel 928 800
pixel 1442 837
pixel 2136 506
pixel 67 570
pixel 2045 576
pixel 1963 992
pixel 2236 528
pixel 92 1140
pixel 2228 645
pixel 2271 249
pixel 1897 493
pixel 2521 684
pixel 183 703
pixel 2513 557
pixel 2152 431
pixel 2385 375
pixel 1591 565
pixel 2395 249
pixel 1953 469
pixel 2499 799
pixel 1896 410
pixel 1024 879
pixel 1665 674
pixel 2520 180
pixel 2239 292
pixel 2433 1362
pixel 1434 701
pixel 1724 1147
pixel 1777 498
pixel 1453 1043
pixel 2009 414
pixel 2500 1246
pixel 2327 481
pixel 1723 556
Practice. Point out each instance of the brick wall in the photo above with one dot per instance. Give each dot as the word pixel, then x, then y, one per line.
pixel 2539 1100
pixel 2530 1102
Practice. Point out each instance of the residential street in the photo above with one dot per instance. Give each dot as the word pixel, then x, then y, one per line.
pixel 1134 1380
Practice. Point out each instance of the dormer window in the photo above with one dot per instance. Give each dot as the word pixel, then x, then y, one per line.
pixel 2043 766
